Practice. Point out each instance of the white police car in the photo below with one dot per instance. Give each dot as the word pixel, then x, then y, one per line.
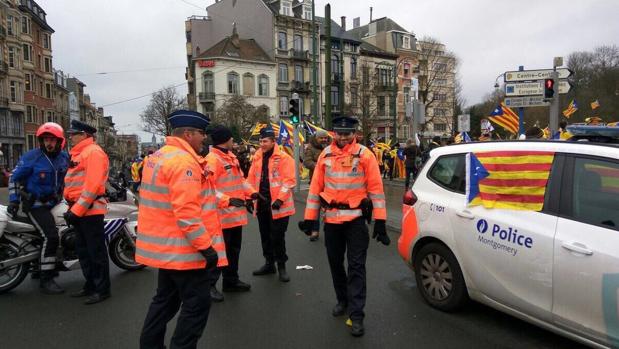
pixel 553 262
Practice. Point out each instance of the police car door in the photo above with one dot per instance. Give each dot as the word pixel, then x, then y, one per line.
pixel 508 254
pixel 586 255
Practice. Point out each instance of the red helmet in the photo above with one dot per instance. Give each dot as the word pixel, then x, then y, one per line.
pixel 53 129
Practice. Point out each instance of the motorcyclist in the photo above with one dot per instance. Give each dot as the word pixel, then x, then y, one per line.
pixel 37 182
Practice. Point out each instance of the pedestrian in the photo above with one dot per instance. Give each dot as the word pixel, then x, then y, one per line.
pixel 40 173
pixel 411 154
pixel 312 152
pixel 347 184
pixel 179 232
pixel 388 162
pixel 136 172
pixel 229 180
pixel 272 172
pixel 85 193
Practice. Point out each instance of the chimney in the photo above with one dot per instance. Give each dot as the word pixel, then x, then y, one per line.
pixel 371 14
pixel 343 18
pixel 235 36
pixel 356 22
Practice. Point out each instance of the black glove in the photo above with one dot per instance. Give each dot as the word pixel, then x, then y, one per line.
pixel 211 257
pixel 306 226
pixel 257 195
pixel 380 232
pixel 236 202
pixel 249 205
pixel 277 204
pixel 13 208
pixel 70 218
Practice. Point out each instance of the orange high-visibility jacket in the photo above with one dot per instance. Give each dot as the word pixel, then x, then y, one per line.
pixel 281 178
pixel 84 184
pixel 229 181
pixel 178 215
pixel 346 176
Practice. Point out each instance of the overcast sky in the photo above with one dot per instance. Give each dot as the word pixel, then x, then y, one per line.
pixel 489 37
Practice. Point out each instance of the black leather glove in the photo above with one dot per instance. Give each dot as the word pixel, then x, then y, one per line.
pixel 236 202
pixel 306 226
pixel 211 257
pixel 12 209
pixel 380 232
pixel 257 195
pixel 277 204
pixel 249 205
pixel 70 218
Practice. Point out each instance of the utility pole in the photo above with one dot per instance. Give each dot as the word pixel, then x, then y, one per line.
pixel 295 144
pixel 328 66
pixel 341 76
pixel 521 129
pixel 314 70
pixel 394 130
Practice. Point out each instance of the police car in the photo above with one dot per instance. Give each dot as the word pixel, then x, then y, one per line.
pixel 550 257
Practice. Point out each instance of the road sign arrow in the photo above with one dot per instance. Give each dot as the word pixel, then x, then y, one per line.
pixel 531 75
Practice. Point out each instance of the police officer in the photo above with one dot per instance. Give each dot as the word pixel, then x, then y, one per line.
pixel 41 173
pixel 179 232
pixel 272 171
pixel 85 192
pixel 347 184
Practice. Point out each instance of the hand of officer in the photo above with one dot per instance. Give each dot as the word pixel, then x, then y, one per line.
pixel 380 232
pixel 211 257
pixel 257 195
pixel 70 218
pixel 249 205
pixel 306 226
pixel 236 202
pixel 277 204
pixel 12 209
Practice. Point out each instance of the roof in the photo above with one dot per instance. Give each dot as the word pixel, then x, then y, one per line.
pixel 376 51
pixel 382 24
pixel 336 31
pixel 233 47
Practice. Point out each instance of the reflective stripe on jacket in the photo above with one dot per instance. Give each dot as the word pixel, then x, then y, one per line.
pixel 229 181
pixel 346 176
pixel 84 184
pixel 281 178
pixel 177 216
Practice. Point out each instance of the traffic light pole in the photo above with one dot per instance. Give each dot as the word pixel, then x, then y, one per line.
pixel 297 162
pixel 554 105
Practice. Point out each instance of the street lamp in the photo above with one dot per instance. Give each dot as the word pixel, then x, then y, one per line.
pixel 496 81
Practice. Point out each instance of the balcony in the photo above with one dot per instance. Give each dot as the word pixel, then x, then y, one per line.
pixel 299 54
pixel 300 86
pixel 206 97
pixel 382 87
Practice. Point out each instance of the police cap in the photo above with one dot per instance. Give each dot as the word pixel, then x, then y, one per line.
pixel 267 132
pixel 79 127
pixel 188 118
pixel 345 124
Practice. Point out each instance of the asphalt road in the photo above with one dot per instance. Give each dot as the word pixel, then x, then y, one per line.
pixel 272 315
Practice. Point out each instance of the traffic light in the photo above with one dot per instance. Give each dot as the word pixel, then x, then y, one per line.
pixel 295 117
pixel 549 88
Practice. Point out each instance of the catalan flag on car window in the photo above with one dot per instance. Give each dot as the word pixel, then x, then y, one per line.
pixel 514 180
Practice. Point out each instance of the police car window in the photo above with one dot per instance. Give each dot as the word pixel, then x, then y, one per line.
pixel 449 172
pixel 595 199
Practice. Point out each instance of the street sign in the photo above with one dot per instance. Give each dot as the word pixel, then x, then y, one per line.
pixel 464 123
pixel 528 101
pixel 533 88
pixel 527 75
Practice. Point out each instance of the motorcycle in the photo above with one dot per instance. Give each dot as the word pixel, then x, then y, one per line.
pixel 21 243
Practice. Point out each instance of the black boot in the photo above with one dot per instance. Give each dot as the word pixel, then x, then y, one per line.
pixel 283 275
pixel 267 268
pixel 48 285
pixel 357 328
pixel 236 286
pixel 216 296
pixel 339 309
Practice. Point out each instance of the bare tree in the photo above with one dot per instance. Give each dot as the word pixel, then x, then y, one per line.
pixel 364 99
pixel 241 116
pixel 162 103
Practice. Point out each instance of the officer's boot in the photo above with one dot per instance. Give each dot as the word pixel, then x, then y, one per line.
pixel 267 268
pixel 48 285
pixel 283 275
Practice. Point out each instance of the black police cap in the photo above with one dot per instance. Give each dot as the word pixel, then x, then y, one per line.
pixel 345 123
pixel 79 127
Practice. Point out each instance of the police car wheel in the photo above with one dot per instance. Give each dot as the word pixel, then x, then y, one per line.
pixel 439 278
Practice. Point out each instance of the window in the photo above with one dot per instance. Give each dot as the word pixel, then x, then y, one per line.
pixel 249 86
pixel 25 25
pixel 31 142
pixel 298 43
pixel 12 61
pixel 27 50
pixel 209 108
pixel 48 65
pixel 440 82
pixel 366 75
pixel 298 73
pixel 209 82
pixel 440 127
pixel 233 83
pixel 381 105
pixel 406 42
pixel 354 98
pixel 46 43
pixel 9 25
pixel 407 69
pixel 282 41
pixel 30 113
pixel 263 86
pixel 353 68
pixel 335 67
pixel 440 67
pixel 283 106
pixel 307 13
pixel 28 81
pixel 286 8
pixel 15 86
pixel 441 96
pixel 449 172
pixel 48 90
pixel 283 72
pixel 335 97
pixel 439 112
pixel 384 76
pixel 594 199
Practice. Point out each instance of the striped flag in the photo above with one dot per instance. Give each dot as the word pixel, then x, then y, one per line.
pixel 514 180
pixel 571 109
pixel 595 104
pixel 505 117
pixel 462 137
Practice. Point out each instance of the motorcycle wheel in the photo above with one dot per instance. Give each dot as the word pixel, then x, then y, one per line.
pixel 12 276
pixel 123 254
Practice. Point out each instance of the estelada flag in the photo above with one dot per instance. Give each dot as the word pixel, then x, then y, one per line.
pixel 503 116
pixel 595 104
pixel 514 180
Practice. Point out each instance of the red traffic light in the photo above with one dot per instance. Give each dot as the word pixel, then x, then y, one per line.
pixel 549 90
pixel 549 83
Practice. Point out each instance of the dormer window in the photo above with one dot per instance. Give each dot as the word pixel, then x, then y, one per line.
pixel 307 12
pixel 286 8
pixel 406 42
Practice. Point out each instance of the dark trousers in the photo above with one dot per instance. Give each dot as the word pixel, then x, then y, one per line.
pixel 43 220
pixel 184 289
pixel 410 171
pixel 351 239
pixel 272 234
pixel 92 252
pixel 233 238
